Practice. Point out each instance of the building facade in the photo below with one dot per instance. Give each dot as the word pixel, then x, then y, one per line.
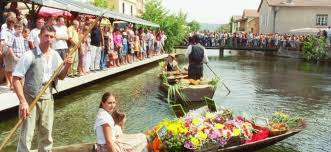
pixel 237 24
pixel 281 16
pixel 128 7
pixel 251 21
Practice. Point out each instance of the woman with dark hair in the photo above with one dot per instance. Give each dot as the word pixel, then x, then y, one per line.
pixel 108 127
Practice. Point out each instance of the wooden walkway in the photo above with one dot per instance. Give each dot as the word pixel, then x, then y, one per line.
pixel 8 98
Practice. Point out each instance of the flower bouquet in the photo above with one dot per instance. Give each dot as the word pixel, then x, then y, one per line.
pixel 201 130
pixel 198 131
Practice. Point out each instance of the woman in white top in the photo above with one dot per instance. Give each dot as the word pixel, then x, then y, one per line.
pixel 109 137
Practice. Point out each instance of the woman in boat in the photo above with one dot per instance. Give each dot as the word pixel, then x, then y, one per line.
pixel 109 137
pixel 171 63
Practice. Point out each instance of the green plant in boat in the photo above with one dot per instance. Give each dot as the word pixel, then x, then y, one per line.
pixel 175 90
pixel 215 83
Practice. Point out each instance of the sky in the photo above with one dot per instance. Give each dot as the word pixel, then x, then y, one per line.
pixel 210 11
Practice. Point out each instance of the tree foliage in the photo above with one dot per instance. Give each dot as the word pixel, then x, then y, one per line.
pixel 314 48
pixel 174 25
pixel 194 26
pixel 101 3
pixel 225 28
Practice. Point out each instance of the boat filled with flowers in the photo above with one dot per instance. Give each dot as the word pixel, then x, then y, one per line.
pixel 201 130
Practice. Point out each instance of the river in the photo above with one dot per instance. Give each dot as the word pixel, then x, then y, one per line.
pixel 259 85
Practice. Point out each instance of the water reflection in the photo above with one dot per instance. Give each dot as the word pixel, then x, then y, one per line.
pixel 259 85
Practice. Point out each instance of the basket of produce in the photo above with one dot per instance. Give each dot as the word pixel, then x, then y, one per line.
pixel 278 129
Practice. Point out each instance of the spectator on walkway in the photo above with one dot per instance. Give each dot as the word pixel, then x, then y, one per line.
pixel 6 35
pixel 328 31
pixel 60 45
pixel 96 47
pixel 34 34
pixel 73 37
pixel 117 45
pixel 16 48
pixel 83 49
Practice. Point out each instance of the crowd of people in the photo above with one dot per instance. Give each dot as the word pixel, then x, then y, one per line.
pixel 251 40
pixel 30 56
pixel 106 46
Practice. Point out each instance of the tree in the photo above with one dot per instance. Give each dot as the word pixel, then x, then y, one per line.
pixel 173 25
pixel 194 26
pixel 101 3
pixel 314 48
pixel 225 28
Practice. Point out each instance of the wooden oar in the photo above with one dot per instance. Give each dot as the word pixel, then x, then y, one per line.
pixel 49 82
pixel 219 78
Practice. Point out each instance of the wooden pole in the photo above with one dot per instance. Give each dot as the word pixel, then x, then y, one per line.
pixel 219 78
pixel 45 87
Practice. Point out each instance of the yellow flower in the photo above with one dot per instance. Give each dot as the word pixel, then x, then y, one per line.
pixel 236 132
pixel 201 135
pixel 195 121
pixel 209 115
pixel 195 142
pixel 219 126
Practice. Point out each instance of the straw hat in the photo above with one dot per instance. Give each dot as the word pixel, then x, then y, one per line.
pixel 173 55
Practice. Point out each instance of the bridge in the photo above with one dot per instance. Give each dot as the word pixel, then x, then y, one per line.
pixel 222 48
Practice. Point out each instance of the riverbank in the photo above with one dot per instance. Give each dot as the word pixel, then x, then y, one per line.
pixel 9 99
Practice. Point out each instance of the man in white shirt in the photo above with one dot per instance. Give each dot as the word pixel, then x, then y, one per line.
pixel 60 45
pixel 34 34
pixel 37 66
pixel 197 55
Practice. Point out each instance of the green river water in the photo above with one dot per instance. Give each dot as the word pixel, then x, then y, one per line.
pixel 259 85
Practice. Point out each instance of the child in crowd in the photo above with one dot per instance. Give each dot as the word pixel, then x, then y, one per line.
pixel 82 52
pixel 125 49
pixel 17 48
pixel 26 32
pixel 137 47
pixel 119 119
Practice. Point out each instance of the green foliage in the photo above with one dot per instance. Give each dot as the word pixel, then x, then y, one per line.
pixel 314 48
pixel 101 3
pixel 175 143
pixel 173 25
pixel 194 26
pixel 215 83
pixel 225 28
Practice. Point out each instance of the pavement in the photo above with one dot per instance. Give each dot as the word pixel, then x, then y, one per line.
pixel 8 98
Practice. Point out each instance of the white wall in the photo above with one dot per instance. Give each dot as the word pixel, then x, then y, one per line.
pixel 300 17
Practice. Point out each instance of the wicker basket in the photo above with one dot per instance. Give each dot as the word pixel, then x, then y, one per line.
pixel 277 132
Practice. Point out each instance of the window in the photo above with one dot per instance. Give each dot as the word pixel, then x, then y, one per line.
pixel 321 20
pixel 123 8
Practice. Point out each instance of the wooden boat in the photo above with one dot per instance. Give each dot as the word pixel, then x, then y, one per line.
pixel 89 147
pixel 194 93
pixel 86 147
pixel 253 146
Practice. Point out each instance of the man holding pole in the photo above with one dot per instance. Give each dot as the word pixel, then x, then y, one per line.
pixel 196 54
pixel 37 67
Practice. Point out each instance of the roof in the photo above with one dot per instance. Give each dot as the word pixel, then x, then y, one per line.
pixel 250 13
pixel 85 8
pixel 298 3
